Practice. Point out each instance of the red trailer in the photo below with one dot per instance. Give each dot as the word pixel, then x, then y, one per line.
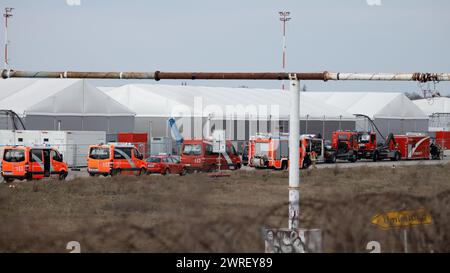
pixel 412 146
pixel 139 140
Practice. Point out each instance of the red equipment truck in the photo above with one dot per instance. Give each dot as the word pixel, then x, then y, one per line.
pixel 266 151
pixel 413 146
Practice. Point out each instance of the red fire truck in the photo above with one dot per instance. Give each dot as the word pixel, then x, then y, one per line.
pixel 344 145
pixel 198 155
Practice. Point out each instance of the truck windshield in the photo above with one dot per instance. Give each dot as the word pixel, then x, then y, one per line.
pixel 365 138
pixel 192 149
pixel 99 153
pixel 14 155
pixel 261 148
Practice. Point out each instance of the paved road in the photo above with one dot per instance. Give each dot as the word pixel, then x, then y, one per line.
pixel 341 164
pixel 387 163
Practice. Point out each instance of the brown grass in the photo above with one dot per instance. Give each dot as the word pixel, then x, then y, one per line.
pixel 201 214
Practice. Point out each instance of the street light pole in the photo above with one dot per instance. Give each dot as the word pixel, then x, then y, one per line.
pixel 284 18
pixel 294 153
pixel 7 15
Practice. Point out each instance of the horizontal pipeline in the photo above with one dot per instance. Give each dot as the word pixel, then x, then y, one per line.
pixel 158 75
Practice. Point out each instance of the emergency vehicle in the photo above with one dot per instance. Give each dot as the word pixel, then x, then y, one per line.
pixel 344 145
pixel 370 148
pixel 198 155
pixel 412 146
pixel 115 158
pixel 267 151
pixel 32 162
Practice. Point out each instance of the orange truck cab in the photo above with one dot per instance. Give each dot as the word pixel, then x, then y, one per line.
pixel 115 158
pixel 198 155
pixel 345 145
pixel 23 162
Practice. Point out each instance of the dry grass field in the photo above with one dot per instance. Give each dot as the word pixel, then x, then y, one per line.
pixel 201 214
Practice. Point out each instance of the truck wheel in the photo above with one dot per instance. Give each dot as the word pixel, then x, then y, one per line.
pixel 62 176
pixel 114 172
pixel 284 165
pixel 91 174
pixel 238 167
pixel 306 164
pixel 183 172
pixel 353 158
pixel 376 157
pixel 141 172
pixel 8 179
pixel 166 172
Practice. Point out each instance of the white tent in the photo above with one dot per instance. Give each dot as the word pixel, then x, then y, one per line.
pixel 438 105
pixel 242 112
pixel 320 111
pixel 165 100
pixel 391 112
pixel 439 111
pixel 64 103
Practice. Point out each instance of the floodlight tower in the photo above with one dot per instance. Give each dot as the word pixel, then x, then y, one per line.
pixel 284 18
pixel 7 15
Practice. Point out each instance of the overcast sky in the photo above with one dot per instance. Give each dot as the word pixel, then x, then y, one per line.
pixel 234 35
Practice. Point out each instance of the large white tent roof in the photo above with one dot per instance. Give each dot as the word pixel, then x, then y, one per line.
pixel 166 100
pixel 161 100
pixel 438 105
pixel 57 97
pixel 373 104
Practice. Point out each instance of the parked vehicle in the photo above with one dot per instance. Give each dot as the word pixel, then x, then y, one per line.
pixel 272 152
pixel 370 148
pixel 413 146
pixel 198 155
pixel 32 162
pixel 115 158
pixel 164 164
pixel 344 145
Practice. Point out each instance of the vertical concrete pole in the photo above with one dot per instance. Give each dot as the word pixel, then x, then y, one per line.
pixel 294 154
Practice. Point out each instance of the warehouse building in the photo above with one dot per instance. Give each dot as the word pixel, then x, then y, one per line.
pixel 64 104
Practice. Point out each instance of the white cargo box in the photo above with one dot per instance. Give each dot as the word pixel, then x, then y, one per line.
pixel 6 139
pixel 74 145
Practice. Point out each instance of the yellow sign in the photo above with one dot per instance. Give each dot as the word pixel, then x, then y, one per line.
pixel 400 219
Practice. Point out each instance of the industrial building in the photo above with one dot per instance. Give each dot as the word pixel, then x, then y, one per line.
pixel 63 104
pixel 438 110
